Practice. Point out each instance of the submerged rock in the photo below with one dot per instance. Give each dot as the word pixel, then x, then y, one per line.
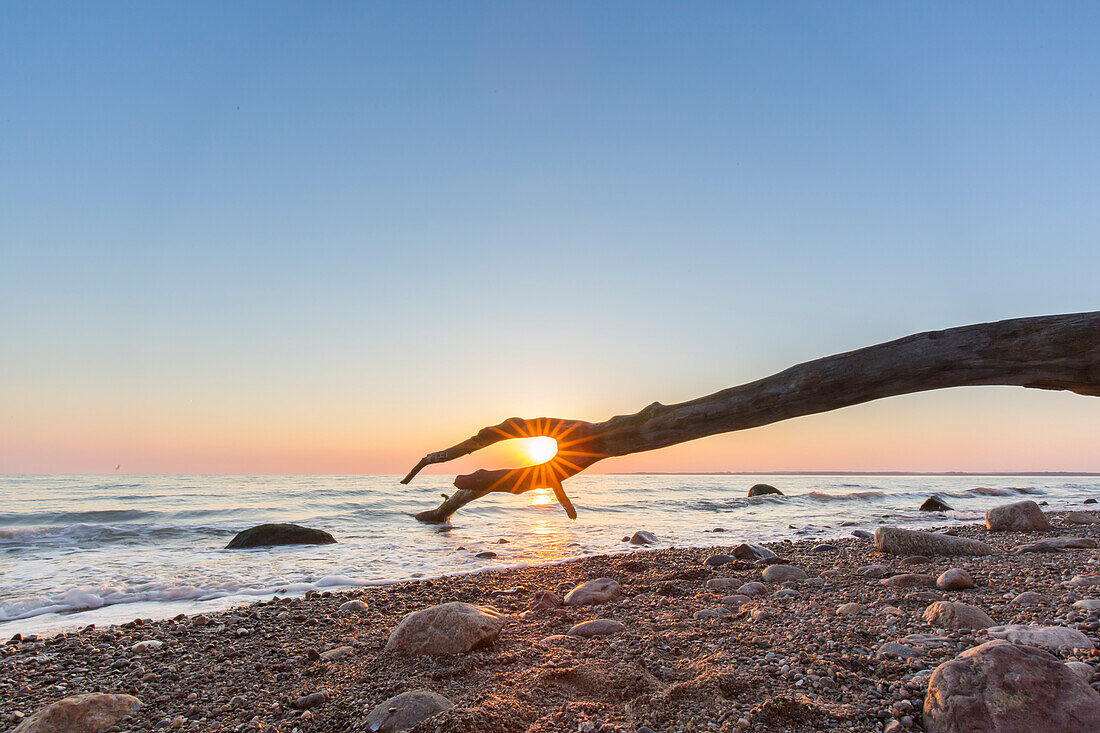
pixel 898 541
pixel 90 713
pixel 642 537
pixel 403 711
pixel 1007 688
pixel 934 504
pixel 764 490
pixel 268 535
pixel 1020 516
pixel 449 628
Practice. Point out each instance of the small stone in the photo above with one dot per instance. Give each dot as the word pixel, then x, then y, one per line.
pixel 754 588
pixel 305 702
pixel 955 579
pixel 352 607
pixel 338 653
pixel 862 534
pixel 874 571
pixel 849 609
pixel 893 649
pixel 485 554
pixel 826 548
pixel 745 551
pixel 592 592
pixel 544 599
pixel 1082 670
pixel 716 561
pixel 1028 598
pixel 1057 544
pixel 915 560
pixel 735 600
pixel 909 580
pixel 720 584
pixel 597 627
pixel 780 573
pixel 148 645
pixel 403 711
pixel 642 537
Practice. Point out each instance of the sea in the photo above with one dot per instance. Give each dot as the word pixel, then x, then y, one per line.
pixel 79 550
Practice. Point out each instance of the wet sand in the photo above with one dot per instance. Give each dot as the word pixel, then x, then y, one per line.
pixel 783 661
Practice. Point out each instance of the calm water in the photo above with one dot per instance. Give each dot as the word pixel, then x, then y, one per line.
pixel 99 549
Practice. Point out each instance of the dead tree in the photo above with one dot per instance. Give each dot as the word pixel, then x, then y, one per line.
pixel 1047 352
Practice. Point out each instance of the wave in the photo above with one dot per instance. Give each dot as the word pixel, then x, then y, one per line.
pixel 86 517
pixel 850 496
pixel 991 491
pixel 103 533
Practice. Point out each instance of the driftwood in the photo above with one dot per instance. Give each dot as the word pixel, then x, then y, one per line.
pixel 1046 352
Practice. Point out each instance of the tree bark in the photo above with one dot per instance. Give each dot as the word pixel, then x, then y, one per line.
pixel 1047 352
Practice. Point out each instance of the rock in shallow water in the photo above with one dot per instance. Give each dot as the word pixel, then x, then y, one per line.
pixel 403 711
pixel 934 504
pixel 1007 688
pixel 898 541
pixel 642 537
pixel 449 628
pixel 80 714
pixel 764 490
pixel 270 535
pixel 593 592
pixel 1020 516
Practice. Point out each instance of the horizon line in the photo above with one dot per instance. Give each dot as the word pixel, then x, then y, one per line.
pixel 609 473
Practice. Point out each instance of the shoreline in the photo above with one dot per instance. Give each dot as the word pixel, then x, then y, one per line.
pixel 785 660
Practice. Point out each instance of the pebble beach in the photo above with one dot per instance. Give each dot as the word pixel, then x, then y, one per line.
pixel 823 636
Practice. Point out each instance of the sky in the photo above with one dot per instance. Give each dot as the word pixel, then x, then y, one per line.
pixel 331 237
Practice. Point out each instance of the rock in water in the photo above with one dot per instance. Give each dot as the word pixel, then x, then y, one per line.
pixel 934 504
pixel 268 535
pixel 449 628
pixel 403 711
pixel 764 489
pixel 1021 516
pixel 1051 637
pixel 80 714
pixel 1007 688
pixel 642 537
pixel 949 615
pixel 897 541
pixel 593 592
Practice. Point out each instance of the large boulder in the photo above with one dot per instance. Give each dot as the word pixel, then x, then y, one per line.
pixel 1051 637
pixel 951 615
pixel 268 535
pixel 1020 516
pixel 763 490
pixel 90 713
pixel 449 628
pixel 593 592
pixel 403 711
pixel 898 541
pixel 1004 688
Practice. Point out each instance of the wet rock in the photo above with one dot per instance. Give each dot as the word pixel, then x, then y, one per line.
pixel 951 615
pixel 934 504
pixel 862 534
pixel 1020 516
pixel 909 580
pixel 486 554
pixel 780 573
pixel 1057 544
pixel 595 591
pixel 90 713
pixel 1089 501
pixel 746 551
pixel 764 490
pixel 642 537
pixel 898 541
pixel 1007 688
pixel 268 535
pixel 449 628
pixel 597 627
pixel 955 579
pixel 403 711
pixel 1050 637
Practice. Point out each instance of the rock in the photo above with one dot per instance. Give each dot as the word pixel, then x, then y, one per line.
pixel 90 713
pixel 1082 670
pixel 735 600
pixel 951 615
pixel 746 551
pixel 934 504
pixel 562 640
pixel 720 584
pixel 1083 581
pixel 544 599
pixel 403 711
pixel 898 541
pixel 1028 598
pixel 915 560
pixel 351 607
pixel 1051 637
pixel 862 534
pixel 753 589
pixel 486 554
pixel 1089 501
pixel 449 628
pixel 338 653
pixel 705 614
pixel 305 702
pixel 909 580
pixel 780 573
pixel 1021 516
pixel 1088 604
pixel 593 592
pixel 148 645
pixel 848 609
pixel 1007 688
pixel 759 614
pixel 1082 518
pixel 955 579
pixel 1057 544
pixel 825 548
pixel 893 649
pixel 597 627
pixel 268 535
pixel 642 537
pixel 764 490
pixel 717 561
pixel 874 571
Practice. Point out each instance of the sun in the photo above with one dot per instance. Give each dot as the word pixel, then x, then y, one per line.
pixel 538 450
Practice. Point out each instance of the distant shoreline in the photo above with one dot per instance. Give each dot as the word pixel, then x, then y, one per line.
pixel 851 473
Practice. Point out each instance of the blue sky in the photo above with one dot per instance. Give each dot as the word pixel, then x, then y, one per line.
pixel 292 237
